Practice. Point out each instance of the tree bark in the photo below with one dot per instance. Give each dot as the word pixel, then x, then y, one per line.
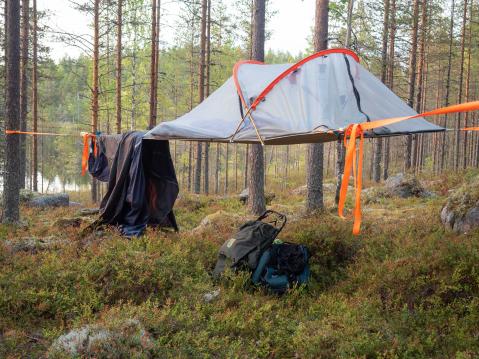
pixel 11 211
pixel 152 122
pixel 412 80
pixel 457 138
pixel 256 198
pixel 94 102
pixel 378 148
pixel 119 25
pixel 24 89
pixel 390 79
pixel 201 90
pixel 314 198
pixel 207 91
pixel 468 157
pixel 448 85
pixel 35 97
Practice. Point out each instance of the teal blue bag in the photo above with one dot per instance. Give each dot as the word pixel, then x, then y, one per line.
pixel 282 266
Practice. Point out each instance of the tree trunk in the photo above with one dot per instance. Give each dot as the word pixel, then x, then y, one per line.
pixel 390 79
pixel 24 89
pixel 378 148
pixel 94 101
pixel 467 157
pixel 152 122
pixel 256 199
pixel 35 98
pixel 201 89
pixel 448 85
pixel 118 64
pixel 207 91
pixel 314 199
pixel 460 81
pixel 11 212
pixel 412 80
pixel 340 150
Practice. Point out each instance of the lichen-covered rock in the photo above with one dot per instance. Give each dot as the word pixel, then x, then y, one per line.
pixel 98 341
pixel 34 245
pixel 219 220
pixel 50 200
pixel 405 186
pixel 461 211
pixel 243 196
pixel 84 212
pixel 68 222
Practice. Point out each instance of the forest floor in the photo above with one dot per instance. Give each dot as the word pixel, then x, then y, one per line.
pixel 405 287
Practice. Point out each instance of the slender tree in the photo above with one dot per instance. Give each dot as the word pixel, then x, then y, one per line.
pixel 256 198
pixel 152 121
pixel 390 78
pixel 35 97
pixel 24 88
pixel 448 84
pixel 207 90
pixel 340 151
pixel 378 145
pixel 201 90
pixel 119 24
pixel 460 82
pixel 412 79
pixel 95 87
pixel 314 199
pixel 11 211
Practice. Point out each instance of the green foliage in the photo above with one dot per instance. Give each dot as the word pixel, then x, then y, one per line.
pixel 404 288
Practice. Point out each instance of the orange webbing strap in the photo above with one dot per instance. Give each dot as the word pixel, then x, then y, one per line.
pixel 15 132
pixel 354 164
pixel 86 150
pixel 470 129
pixel 356 131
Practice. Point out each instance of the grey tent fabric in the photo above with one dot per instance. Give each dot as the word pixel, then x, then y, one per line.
pixel 315 102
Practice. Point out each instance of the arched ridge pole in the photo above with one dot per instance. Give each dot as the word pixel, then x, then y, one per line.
pixel 278 79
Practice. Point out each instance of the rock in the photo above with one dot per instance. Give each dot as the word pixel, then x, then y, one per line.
pixel 209 297
pixel 68 222
pixel 461 211
pixel 26 195
pixel 300 191
pixel 243 196
pixel 80 341
pixel 98 341
pixel 405 186
pixel 52 200
pixel 219 219
pixel 88 212
pixel 34 245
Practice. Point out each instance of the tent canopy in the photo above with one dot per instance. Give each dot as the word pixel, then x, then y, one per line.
pixel 313 100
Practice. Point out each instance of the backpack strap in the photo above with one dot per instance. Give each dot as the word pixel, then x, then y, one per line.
pixel 220 265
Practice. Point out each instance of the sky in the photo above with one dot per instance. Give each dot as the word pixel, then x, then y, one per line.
pixel 290 27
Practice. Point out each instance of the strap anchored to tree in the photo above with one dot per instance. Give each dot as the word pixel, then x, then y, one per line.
pixel 354 160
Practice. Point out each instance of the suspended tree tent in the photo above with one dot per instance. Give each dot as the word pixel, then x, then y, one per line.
pixel 314 100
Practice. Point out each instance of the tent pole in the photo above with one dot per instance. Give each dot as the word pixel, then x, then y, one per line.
pixel 248 113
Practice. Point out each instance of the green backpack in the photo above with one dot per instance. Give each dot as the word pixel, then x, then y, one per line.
pixel 249 243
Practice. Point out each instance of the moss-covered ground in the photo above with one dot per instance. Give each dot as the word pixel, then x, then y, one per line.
pixel 404 288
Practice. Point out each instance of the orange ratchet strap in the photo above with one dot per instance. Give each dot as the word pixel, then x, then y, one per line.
pixel 355 132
